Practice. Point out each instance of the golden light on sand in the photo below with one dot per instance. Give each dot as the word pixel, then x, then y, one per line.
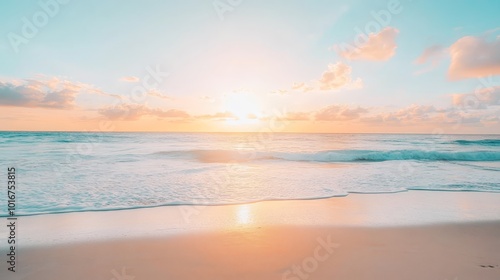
pixel 244 215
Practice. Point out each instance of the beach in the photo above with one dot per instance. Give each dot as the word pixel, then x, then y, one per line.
pixel 250 140
pixel 407 235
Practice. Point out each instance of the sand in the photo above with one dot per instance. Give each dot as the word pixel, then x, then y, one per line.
pixel 382 236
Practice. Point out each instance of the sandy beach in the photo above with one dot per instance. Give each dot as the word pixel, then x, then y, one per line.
pixel 369 236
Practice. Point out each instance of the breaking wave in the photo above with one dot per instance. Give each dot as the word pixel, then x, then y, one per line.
pixel 333 156
pixel 482 142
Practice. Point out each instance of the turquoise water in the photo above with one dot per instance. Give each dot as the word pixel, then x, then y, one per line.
pixel 66 172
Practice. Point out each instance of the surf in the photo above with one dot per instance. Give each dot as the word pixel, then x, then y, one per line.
pixel 214 156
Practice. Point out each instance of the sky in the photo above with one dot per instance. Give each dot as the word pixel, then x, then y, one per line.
pixel 388 66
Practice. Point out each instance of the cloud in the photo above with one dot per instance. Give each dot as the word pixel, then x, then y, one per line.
pixel 302 87
pixel 467 117
pixel 208 99
pixel 91 90
pixel 375 47
pixel 307 88
pixel 31 93
pixel 279 91
pixel 298 85
pixel 473 57
pixel 129 79
pixel 411 114
pixel 158 94
pixel 431 54
pixel 481 98
pixel 26 96
pixel 219 116
pixel 338 76
pixel 46 93
pixel 298 116
pixel 339 113
pixel 131 112
pixel 417 115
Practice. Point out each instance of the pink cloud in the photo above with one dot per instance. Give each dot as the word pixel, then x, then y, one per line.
pixel 46 93
pixel 219 116
pixel 375 47
pixel 132 112
pixel 481 98
pixel 129 79
pixel 302 87
pixel 432 54
pixel 339 113
pixel 338 76
pixel 158 94
pixel 473 57
pixel 415 113
pixel 298 116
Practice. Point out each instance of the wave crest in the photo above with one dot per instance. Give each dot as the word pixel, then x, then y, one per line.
pixel 482 142
pixel 222 156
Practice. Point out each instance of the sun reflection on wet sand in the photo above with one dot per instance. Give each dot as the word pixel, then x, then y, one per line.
pixel 244 215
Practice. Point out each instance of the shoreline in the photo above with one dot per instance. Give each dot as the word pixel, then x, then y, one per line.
pixel 414 207
pixel 250 202
pixel 404 235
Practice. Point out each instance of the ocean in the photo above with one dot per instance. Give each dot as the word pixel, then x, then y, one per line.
pixel 59 172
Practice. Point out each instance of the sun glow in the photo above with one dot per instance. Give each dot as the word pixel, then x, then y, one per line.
pixel 243 106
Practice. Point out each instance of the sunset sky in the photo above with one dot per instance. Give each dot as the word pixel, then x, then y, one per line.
pixel 244 65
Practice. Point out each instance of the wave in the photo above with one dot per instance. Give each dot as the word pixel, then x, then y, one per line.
pixel 223 156
pixel 482 142
pixel 62 210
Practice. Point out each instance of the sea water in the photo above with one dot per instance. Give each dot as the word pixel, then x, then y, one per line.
pixel 77 171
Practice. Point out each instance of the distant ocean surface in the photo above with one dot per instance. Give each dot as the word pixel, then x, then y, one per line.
pixel 66 172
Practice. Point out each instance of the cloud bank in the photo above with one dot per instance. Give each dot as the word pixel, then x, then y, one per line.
pixel 47 93
pixel 132 112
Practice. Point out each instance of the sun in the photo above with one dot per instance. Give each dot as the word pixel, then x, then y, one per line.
pixel 243 106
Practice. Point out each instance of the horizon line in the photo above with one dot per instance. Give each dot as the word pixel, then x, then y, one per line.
pixel 248 132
